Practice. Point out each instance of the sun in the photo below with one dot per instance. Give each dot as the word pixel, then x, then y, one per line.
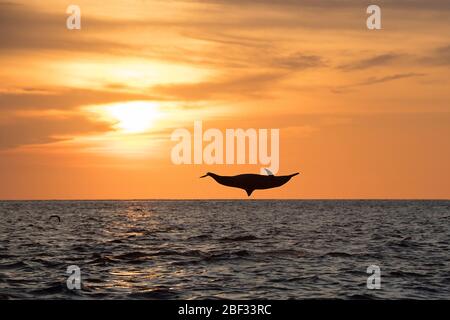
pixel 134 116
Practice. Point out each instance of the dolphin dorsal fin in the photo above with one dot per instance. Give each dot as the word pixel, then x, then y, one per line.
pixel 268 172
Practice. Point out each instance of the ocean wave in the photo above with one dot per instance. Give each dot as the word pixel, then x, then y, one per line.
pixel 55 289
pixel 239 238
pixel 154 294
pixel 283 253
pixel 225 255
pixel 15 266
pixel 407 274
pixel 338 254
pixel 288 249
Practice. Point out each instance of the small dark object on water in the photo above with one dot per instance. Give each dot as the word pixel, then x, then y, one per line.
pixel 55 216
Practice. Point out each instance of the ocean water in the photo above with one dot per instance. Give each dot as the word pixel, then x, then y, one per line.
pixel 225 249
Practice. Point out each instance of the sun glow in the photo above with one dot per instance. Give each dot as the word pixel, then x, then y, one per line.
pixel 138 128
pixel 132 117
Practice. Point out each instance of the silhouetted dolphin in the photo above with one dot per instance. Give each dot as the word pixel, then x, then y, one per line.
pixel 251 182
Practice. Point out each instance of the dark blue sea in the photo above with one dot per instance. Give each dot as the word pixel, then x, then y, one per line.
pixel 225 249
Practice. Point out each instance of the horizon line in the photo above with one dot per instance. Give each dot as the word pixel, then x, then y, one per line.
pixel 234 199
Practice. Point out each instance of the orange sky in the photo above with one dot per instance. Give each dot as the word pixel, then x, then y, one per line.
pixel 88 114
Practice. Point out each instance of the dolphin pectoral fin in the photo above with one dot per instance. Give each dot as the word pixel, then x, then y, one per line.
pixel 249 191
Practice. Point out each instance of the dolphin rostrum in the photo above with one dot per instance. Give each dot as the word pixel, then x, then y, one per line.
pixel 251 182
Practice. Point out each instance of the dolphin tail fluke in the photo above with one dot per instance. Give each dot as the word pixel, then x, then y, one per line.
pixel 249 191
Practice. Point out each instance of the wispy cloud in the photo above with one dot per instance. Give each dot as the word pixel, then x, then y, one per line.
pixel 377 80
pixel 375 61
pixel 337 4
pixel 27 28
pixel 17 131
pixel 298 61
pixel 62 98
pixel 250 86
pixel 374 81
pixel 437 57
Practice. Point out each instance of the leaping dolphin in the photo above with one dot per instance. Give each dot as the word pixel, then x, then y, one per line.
pixel 251 182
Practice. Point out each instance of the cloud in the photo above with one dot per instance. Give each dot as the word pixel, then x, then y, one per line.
pixel 232 87
pixel 25 116
pixel 375 61
pixel 438 57
pixel 375 80
pixel 334 4
pixel 298 61
pixel 62 98
pixel 19 131
pixel 27 28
